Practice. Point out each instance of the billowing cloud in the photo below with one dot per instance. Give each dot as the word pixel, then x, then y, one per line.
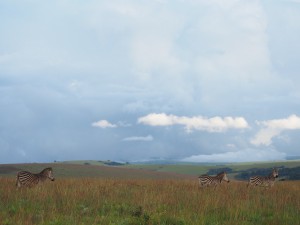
pixel 103 124
pixel 214 124
pixel 187 58
pixel 139 138
pixel 247 155
pixel 273 128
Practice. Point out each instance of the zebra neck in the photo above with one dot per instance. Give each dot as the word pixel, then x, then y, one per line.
pixel 42 177
pixel 220 178
pixel 271 177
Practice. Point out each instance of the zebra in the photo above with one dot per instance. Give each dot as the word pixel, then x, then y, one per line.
pixel 267 181
pixel 27 179
pixel 206 180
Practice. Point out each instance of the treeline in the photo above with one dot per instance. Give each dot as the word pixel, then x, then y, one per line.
pixel 219 170
pixel 284 173
pixel 108 163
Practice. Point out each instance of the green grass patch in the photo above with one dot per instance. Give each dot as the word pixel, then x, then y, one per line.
pixel 147 201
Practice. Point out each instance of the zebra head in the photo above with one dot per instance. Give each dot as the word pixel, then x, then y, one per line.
pixel 225 178
pixel 48 173
pixel 275 173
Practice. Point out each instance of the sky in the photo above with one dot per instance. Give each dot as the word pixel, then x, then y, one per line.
pixel 137 80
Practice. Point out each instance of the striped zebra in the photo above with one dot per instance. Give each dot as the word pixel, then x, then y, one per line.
pixel 28 179
pixel 206 180
pixel 267 181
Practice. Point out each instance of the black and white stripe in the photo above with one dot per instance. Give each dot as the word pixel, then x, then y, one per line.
pixel 267 181
pixel 206 180
pixel 27 179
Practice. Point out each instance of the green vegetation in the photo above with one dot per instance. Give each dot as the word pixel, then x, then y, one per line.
pixel 147 201
pixel 94 162
pixel 92 192
pixel 68 170
pixel 174 168
pixel 106 169
pixel 234 169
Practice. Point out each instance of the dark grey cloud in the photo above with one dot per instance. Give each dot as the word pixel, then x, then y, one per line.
pixel 66 65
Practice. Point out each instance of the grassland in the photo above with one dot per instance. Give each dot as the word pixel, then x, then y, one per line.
pixel 147 201
pixel 197 169
pixel 68 170
pixel 142 194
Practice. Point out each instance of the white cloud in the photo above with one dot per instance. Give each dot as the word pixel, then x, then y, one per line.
pixel 139 138
pixel 214 124
pixel 273 128
pixel 247 155
pixel 103 124
pixel 192 57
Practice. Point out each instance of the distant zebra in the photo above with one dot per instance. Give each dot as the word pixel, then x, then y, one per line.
pixel 28 179
pixel 206 180
pixel 267 181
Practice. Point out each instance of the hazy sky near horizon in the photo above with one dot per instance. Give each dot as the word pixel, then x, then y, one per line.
pixel 128 80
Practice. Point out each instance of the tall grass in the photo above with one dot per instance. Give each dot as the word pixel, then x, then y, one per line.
pixel 124 202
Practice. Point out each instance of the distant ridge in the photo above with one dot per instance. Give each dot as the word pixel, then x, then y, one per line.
pixel 161 169
pixel 78 170
pixel 95 162
pixel 293 158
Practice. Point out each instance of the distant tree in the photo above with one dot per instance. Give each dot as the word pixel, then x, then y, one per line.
pixel 284 173
pixel 112 163
pixel 219 170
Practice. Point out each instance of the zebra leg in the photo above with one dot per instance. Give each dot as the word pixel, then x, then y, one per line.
pixel 251 184
pixel 215 185
pixel 18 183
pixel 248 185
pixel 200 184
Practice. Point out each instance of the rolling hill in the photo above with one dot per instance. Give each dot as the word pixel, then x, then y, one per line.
pixel 289 169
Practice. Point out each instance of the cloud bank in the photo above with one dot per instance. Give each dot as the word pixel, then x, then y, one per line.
pixel 66 64
pixel 214 124
pixel 246 155
pixel 273 128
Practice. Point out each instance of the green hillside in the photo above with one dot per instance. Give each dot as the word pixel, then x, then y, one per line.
pixel 197 169
pixel 88 170
pixel 289 169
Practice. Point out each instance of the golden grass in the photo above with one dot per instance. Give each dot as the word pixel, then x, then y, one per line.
pixel 143 201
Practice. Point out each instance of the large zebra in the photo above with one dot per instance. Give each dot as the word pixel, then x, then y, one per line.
pixel 267 181
pixel 28 179
pixel 206 180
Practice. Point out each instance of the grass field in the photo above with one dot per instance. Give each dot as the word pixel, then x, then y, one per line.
pixel 93 168
pixel 197 169
pixel 67 170
pixel 142 194
pixel 147 201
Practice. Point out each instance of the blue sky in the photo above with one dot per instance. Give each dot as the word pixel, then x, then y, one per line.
pixel 126 80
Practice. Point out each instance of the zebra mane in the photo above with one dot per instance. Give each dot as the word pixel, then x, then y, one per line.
pixel 46 169
pixel 221 173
